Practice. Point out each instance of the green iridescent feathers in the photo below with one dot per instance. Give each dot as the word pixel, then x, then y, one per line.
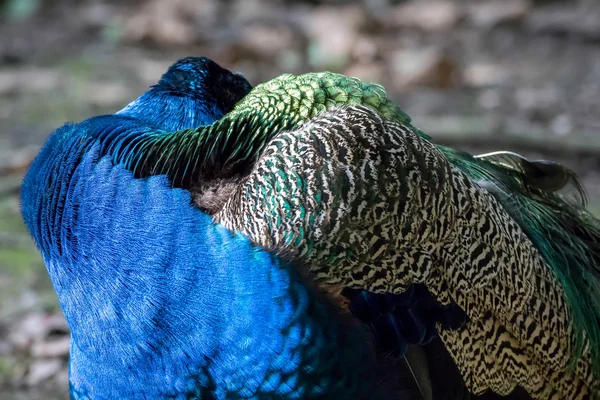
pixel 229 146
pixel 566 235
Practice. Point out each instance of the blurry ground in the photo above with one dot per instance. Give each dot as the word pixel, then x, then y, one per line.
pixel 480 75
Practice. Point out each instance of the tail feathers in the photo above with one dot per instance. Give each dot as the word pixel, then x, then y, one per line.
pixel 517 394
pixel 412 361
pixel 446 380
pixel 416 363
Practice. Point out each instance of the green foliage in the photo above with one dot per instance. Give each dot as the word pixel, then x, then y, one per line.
pixel 114 31
pixel 6 368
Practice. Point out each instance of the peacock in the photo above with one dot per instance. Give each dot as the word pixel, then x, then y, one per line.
pixel 164 303
pixel 416 239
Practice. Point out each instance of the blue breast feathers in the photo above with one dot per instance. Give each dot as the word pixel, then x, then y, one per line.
pixel 164 304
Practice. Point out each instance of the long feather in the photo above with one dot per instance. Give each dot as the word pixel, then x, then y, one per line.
pixel 416 362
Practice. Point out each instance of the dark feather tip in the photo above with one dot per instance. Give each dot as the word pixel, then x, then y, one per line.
pixel 539 176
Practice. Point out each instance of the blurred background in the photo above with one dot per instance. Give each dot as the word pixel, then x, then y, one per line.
pixel 479 75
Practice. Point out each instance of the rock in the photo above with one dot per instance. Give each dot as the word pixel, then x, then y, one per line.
pixel 428 15
pixel 533 99
pixel 35 328
pixel 365 50
pixel 16 161
pixel 583 22
pixel 370 72
pixel 42 370
pixel 427 67
pixel 10 185
pixel 62 378
pixel 150 70
pixel 31 328
pixel 491 13
pixel 561 125
pixel 57 323
pixel 489 99
pixel 97 15
pixel 450 129
pixel 267 40
pixel 243 11
pixel 290 60
pixel 5 346
pixel 169 23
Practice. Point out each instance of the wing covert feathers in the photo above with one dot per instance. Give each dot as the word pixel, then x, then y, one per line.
pixel 371 204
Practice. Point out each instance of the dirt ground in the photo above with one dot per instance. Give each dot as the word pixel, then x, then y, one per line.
pixel 479 75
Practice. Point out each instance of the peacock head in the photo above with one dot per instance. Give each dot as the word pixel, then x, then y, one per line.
pixel 202 77
pixel 194 91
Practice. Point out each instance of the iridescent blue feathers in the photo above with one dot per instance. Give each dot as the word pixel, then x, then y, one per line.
pixel 162 303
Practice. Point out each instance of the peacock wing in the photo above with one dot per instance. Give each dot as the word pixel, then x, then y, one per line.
pixel 370 204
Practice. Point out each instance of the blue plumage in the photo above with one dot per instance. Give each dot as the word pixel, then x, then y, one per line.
pixel 164 304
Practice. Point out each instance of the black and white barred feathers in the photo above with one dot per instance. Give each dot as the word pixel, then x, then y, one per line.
pixel 370 204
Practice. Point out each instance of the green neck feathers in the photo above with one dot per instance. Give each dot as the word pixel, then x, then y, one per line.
pixel 229 146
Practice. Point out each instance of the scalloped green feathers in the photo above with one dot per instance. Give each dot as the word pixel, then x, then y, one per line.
pixel 229 146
